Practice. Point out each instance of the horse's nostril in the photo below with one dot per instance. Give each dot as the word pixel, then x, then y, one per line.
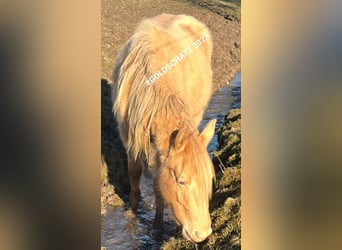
pixel 202 235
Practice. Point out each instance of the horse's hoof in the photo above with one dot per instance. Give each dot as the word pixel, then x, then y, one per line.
pixel 130 213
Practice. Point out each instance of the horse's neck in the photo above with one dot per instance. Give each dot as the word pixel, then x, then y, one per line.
pixel 162 129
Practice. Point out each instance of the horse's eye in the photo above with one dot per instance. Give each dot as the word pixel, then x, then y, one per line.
pixel 181 183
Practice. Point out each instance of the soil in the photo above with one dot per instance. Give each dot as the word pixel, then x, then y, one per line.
pixel 119 20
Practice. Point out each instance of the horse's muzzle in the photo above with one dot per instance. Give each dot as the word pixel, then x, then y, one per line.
pixel 197 235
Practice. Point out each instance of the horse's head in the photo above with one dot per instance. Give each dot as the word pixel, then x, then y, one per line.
pixel 185 181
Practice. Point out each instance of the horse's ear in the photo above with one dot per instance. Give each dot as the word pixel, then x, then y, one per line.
pixel 208 133
pixel 178 140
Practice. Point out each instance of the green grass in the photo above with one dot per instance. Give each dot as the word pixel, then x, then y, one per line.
pixel 221 7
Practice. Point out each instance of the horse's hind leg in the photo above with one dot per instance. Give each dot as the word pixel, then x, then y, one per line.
pixel 134 172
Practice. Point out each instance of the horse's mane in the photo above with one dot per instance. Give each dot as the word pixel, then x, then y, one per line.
pixel 136 63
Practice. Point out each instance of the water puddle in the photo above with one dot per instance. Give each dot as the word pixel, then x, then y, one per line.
pixel 229 97
pixel 119 230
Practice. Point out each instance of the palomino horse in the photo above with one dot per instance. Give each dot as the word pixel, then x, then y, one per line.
pixel 162 82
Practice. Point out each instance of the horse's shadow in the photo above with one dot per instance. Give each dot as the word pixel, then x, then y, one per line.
pixel 112 150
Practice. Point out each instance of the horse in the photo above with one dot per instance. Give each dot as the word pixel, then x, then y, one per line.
pixel 162 82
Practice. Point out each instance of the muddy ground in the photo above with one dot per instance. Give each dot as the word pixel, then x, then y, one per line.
pixel 119 19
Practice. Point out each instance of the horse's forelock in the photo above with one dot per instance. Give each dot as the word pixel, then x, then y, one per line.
pixel 201 167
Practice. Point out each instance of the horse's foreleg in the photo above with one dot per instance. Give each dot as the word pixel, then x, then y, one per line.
pixel 158 220
pixel 134 171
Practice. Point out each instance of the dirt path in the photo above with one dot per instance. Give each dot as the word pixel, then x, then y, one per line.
pixel 120 18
